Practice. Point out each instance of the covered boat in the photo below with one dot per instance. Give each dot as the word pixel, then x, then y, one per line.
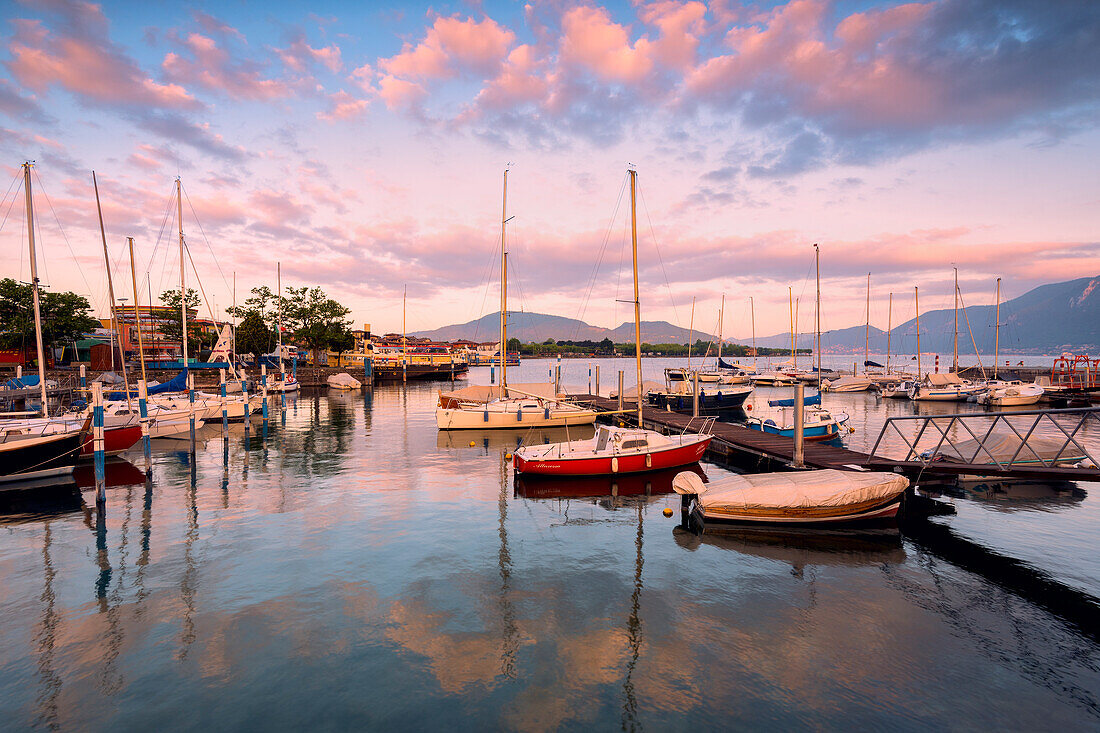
pixel 819 497
pixel 847 384
pixel 612 450
pixel 343 380
pixel 949 387
pixel 1007 448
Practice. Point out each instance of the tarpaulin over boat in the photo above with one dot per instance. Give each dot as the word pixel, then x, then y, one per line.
pixel 870 363
pixel 793 490
pixel 723 364
pixel 177 383
pixel 1001 447
pixel 941 379
pixel 487 393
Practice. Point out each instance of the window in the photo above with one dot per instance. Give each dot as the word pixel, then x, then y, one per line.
pixel 636 443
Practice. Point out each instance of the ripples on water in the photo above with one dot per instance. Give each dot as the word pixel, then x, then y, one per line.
pixel 357 568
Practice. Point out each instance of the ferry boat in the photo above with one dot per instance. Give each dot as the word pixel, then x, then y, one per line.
pixel 398 362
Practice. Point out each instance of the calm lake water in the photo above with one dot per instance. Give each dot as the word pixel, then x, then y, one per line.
pixel 357 568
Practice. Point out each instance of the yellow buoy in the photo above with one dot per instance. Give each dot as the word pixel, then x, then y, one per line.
pixel 667 511
pixel 508 456
pixel 472 444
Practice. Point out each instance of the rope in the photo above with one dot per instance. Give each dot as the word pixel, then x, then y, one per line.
pixel 45 260
pixel 599 258
pixel 664 271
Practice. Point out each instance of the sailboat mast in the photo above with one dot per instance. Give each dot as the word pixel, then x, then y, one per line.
pixel 183 281
pixel 111 294
pixel 637 304
pixel 404 341
pixel 721 315
pixel 137 311
pixel 997 332
pixel 279 318
pixel 691 330
pixel 889 330
pixel 503 290
pixel 955 358
pixel 752 318
pixel 796 333
pixel 34 290
pixel 790 296
pixel 916 307
pixel 817 311
pixel 867 334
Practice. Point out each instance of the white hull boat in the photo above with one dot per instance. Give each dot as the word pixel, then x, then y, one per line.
pixel 1013 395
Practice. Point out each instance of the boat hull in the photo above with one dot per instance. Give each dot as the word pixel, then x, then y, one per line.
pixel 709 403
pixel 39 457
pixel 653 460
pixel 882 512
pixel 115 441
pixel 392 373
pixel 815 432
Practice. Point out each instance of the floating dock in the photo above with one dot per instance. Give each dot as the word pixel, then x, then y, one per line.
pixel 744 446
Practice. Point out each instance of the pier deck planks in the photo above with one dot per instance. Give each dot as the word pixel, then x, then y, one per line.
pixel 740 439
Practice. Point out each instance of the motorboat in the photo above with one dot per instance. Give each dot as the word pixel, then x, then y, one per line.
pixel 818 423
pixel 29 456
pixel 820 497
pixel 612 450
pixel 1012 394
pixel 510 412
pixel 940 387
pixel 896 390
pixel 677 374
pixel 712 399
pixel 773 379
pixel 847 384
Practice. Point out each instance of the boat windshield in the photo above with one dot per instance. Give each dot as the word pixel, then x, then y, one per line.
pixel 635 443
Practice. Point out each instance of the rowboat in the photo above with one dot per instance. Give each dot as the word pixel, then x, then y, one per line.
pixel 819 497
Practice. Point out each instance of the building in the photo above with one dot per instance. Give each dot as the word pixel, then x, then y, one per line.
pixel 157 346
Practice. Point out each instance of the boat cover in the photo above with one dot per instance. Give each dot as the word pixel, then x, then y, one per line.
pixel 487 393
pixel 108 378
pixel 1000 447
pixel 791 489
pixel 177 383
pixel 631 393
pixel 940 379
pixel 812 400
pixel 343 379
pixel 870 363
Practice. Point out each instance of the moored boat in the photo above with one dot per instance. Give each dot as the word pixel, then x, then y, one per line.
pixel 612 450
pixel 819 497
pixel 818 423
pixel 1013 394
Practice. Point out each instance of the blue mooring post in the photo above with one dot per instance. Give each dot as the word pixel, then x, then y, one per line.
pixel 492 374
pixel 590 378
pixel 294 367
pixel 225 408
pixel 97 443
pixel 191 411
pixel 247 406
pixel 83 376
pixel 143 410
pixel 263 387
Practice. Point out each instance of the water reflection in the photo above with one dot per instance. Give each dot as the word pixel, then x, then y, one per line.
pixel 1007 495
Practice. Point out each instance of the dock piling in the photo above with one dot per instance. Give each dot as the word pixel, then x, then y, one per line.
pixel 694 395
pixel 799 460
pixel 557 379
pixel 83 375
pixel 620 408
pixel 97 444
pixel 597 379
pixel 263 388
pixel 225 408
pixel 191 411
pixel 143 411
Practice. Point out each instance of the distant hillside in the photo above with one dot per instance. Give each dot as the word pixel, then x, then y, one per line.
pixel 1048 319
pixel 537 327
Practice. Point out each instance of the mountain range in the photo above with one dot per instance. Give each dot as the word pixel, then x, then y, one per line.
pixel 1050 318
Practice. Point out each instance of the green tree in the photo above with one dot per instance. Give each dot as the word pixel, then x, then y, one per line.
pixel 65 316
pixel 606 346
pixel 312 317
pixel 263 303
pixel 513 344
pixel 171 326
pixel 340 339
pixel 253 335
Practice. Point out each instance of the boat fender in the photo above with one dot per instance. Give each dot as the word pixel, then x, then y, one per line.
pixel 472 444
pixel 519 414
pixel 485 417
pixel 649 460
pixel 748 408
pixel 614 464
pixel 667 511
pixel 546 413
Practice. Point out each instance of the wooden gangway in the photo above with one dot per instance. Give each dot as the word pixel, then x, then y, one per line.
pixel 741 445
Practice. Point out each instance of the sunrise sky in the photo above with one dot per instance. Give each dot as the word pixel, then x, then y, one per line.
pixel 362 145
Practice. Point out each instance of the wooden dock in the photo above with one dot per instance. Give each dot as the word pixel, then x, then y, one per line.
pixel 743 446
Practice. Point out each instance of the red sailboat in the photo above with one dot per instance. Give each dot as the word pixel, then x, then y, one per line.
pixel 617 450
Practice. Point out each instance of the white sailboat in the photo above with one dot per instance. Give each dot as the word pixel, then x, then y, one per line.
pixel 511 407
pixel 284 382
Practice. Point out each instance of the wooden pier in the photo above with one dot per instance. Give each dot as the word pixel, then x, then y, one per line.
pixel 744 446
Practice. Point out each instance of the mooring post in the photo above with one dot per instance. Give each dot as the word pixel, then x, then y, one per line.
pixel 492 374
pixel 83 375
pixel 263 387
pixel 143 411
pixel 557 379
pixel 225 407
pixel 597 379
pixel 621 390
pixel 191 409
pixel 247 406
pixel 695 394
pixel 19 372
pixel 799 426
pixel 589 377
pixel 97 444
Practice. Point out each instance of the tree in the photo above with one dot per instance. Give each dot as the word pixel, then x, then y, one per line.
pixel 263 303
pixel 312 317
pixel 65 316
pixel 171 325
pixel 607 346
pixel 340 339
pixel 514 344
pixel 253 335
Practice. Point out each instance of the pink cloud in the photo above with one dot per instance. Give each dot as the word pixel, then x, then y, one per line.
pixel 592 40
pixel 212 67
pixel 343 106
pixel 451 46
pixel 91 68
pixel 522 79
pixel 681 25
pixel 400 94
pixel 299 56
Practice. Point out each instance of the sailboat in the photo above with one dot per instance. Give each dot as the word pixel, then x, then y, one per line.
pixel 614 450
pixel 526 406
pixel 284 382
pixel 28 455
pixel 950 387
